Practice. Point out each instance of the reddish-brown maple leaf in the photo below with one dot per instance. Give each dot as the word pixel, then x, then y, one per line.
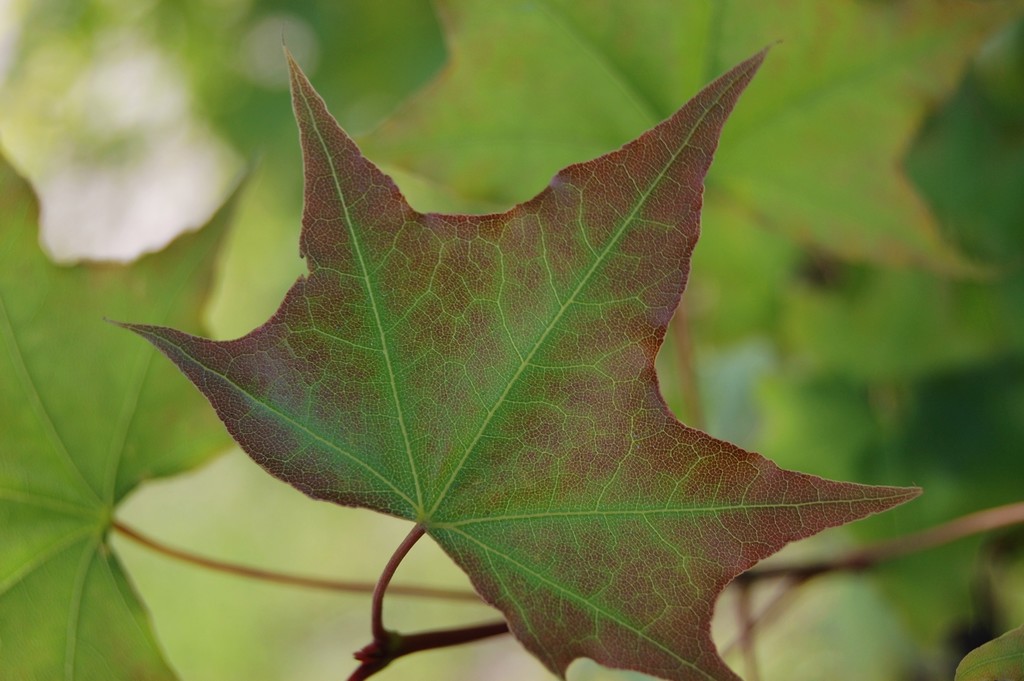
pixel 491 378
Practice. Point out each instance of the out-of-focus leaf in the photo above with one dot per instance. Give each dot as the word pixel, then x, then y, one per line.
pixel 968 159
pixel 226 75
pixel 823 132
pixel 955 433
pixel 87 417
pixel 999 68
pixel 999 660
pixel 900 324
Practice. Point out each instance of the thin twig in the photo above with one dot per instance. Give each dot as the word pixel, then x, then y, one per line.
pixel 377 655
pixel 772 608
pixel 451 637
pixel 685 358
pixel 746 639
pixel 284 578
pixel 869 556
pixel 374 659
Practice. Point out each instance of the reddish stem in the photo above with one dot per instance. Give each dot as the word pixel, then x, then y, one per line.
pixel 746 641
pixel 388 645
pixel 376 656
pixel 451 637
pixel 869 556
pixel 284 578
pixel 685 357
pixel 380 634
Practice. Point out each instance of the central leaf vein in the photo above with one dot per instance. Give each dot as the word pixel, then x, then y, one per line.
pixel 573 596
pixel 418 506
pixel 293 422
pixel 35 399
pixel 643 512
pixel 526 361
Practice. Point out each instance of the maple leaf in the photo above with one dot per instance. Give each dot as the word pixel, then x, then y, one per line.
pixel 86 418
pixel 491 378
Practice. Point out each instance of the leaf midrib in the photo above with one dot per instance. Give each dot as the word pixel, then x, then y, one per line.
pixel 75 608
pixel 572 595
pixel 639 100
pixel 45 555
pixel 809 97
pixel 418 506
pixel 272 409
pixel 525 362
pixel 679 510
pixel 35 401
pixel 140 375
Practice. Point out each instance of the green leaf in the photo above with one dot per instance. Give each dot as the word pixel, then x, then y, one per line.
pixel 825 128
pixel 87 417
pixel 491 378
pixel 1001 659
pixel 898 324
pixel 980 128
pixel 956 433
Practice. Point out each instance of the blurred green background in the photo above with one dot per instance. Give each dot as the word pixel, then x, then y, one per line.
pixel 856 304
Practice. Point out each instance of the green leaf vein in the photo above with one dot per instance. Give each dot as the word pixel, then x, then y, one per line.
pixel 34 400
pixel 572 595
pixel 418 506
pixel 278 413
pixel 612 242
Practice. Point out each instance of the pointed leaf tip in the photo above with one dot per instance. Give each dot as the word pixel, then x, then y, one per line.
pixel 289 57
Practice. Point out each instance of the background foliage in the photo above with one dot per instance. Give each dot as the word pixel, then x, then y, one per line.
pixel 857 299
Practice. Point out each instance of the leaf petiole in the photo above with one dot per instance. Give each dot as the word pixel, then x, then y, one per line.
pixel 381 634
pixel 388 646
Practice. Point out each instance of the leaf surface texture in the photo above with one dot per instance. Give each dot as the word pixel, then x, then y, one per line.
pixel 87 416
pixel 492 378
